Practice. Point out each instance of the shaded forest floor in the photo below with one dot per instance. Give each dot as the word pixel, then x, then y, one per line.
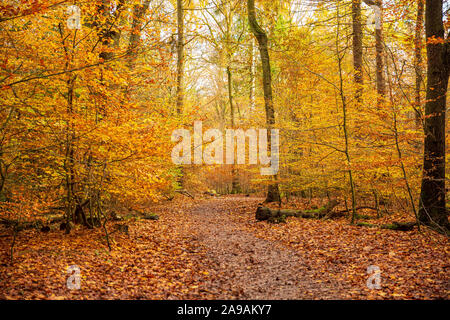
pixel 214 249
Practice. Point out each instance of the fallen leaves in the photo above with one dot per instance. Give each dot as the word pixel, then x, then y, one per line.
pixel 215 249
pixel 413 265
pixel 151 263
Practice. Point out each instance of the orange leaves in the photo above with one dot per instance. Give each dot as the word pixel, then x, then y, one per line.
pixel 434 40
pixel 81 109
pixel 213 249
pixel 151 263
pixel 413 266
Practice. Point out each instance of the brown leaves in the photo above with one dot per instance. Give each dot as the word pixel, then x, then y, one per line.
pixel 153 262
pixel 214 249
pixel 413 265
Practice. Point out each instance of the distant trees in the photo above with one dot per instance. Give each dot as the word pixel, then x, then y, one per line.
pixel 87 114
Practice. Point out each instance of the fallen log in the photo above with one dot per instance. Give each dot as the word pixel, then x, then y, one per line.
pixel 399 226
pixel 357 209
pixel 279 215
pixel 21 225
pixel 185 193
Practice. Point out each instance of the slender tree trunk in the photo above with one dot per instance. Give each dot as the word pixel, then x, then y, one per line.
pixel 345 119
pixel 273 193
pixel 405 176
pixel 418 44
pixel 109 36
pixel 139 12
pixel 69 156
pixel 397 145
pixel 357 48
pixel 221 91
pixel 235 188
pixel 252 76
pixel 180 57
pixel 230 96
pixel 379 47
pixel 432 197
pixel 180 72
pixel 135 37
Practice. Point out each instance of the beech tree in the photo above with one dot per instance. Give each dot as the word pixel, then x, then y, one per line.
pixel 273 193
pixel 432 209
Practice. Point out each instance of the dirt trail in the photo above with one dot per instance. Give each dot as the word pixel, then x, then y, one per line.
pixel 247 267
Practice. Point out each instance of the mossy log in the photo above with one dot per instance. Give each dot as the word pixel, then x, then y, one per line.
pixel 279 215
pixel 399 226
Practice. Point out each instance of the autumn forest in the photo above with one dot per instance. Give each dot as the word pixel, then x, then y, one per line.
pixel 224 149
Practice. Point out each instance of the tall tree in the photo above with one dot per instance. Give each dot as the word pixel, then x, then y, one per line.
pixel 379 47
pixel 180 56
pixel 418 43
pixel 252 76
pixel 180 71
pixel 228 12
pixel 357 48
pixel 432 197
pixel 377 6
pixel 273 193
pixel 135 37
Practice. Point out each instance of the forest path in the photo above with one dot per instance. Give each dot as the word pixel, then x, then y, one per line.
pixel 246 267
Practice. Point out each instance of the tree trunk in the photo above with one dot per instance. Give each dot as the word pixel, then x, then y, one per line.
pixel 379 47
pixel 252 76
pixel 418 43
pixel 432 198
pixel 357 48
pixel 135 37
pixel 345 121
pixel 235 188
pixel 109 35
pixel 273 193
pixel 180 57
pixel 180 72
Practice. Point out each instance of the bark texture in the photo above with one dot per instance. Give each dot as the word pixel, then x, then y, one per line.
pixel 418 44
pixel 432 198
pixel 273 193
pixel 135 37
pixel 357 48
pixel 180 57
